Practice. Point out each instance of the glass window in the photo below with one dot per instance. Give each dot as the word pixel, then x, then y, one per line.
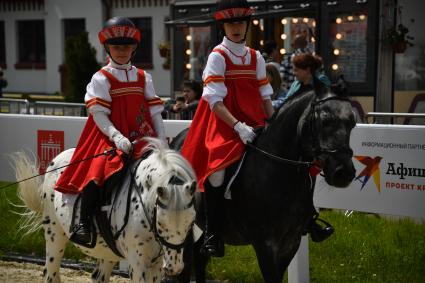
pixel 2 45
pixel 348 48
pixel 31 43
pixel 143 57
pixel 197 44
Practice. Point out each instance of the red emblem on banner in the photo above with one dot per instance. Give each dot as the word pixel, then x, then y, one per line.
pixel 49 144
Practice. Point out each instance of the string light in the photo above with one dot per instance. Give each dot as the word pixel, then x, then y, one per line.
pixel 313 23
pixel 283 36
pixel 334 67
pixel 336 51
pixel 312 39
pixel 188 51
pixel 338 20
pixel 305 20
pixel 188 66
pixel 255 22
pixel 350 18
pixel 338 36
pixel 284 21
pixel 362 17
pixel 295 20
pixel 188 37
pixel 282 51
pixel 261 42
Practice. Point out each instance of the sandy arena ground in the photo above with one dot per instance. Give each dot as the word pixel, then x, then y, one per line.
pixel 13 272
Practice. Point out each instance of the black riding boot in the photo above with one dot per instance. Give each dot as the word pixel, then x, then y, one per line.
pixel 213 243
pixel 318 232
pixel 82 231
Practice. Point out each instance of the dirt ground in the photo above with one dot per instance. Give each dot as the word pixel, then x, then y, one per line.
pixel 13 272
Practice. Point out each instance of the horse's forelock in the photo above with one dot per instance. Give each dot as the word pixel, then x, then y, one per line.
pixel 173 164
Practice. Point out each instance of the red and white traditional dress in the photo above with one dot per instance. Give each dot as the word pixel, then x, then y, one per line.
pixel 126 94
pixel 235 75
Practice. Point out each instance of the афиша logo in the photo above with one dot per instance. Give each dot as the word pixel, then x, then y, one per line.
pixel 372 169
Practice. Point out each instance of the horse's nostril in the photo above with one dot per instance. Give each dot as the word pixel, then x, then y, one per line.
pixel 342 176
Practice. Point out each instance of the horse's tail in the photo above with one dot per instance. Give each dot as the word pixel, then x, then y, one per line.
pixel 29 191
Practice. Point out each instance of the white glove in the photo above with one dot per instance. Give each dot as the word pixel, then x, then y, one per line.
pixel 122 143
pixel 106 127
pixel 246 133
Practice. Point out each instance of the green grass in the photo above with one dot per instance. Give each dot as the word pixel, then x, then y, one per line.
pixel 364 248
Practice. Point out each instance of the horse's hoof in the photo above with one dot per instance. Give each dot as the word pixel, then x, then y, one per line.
pixel 319 233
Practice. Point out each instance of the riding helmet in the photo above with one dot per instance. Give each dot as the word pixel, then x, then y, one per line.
pixel 233 11
pixel 119 31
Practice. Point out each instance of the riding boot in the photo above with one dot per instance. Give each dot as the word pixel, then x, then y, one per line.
pixel 213 243
pixel 82 231
pixel 318 232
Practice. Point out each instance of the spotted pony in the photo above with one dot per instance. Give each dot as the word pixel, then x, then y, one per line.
pixel 161 215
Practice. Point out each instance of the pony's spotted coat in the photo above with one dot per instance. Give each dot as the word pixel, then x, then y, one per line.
pixel 147 258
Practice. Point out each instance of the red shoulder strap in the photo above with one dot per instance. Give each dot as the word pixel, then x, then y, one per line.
pixel 223 53
pixel 141 75
pixel 109 76
pixel 253 58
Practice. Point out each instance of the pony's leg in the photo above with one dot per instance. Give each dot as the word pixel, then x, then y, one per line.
pixel 272 265
pixel 103 271
pixel 137 270
pixel 55 247
pixel 200 261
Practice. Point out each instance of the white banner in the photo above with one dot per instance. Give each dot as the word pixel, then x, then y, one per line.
pixel 390 177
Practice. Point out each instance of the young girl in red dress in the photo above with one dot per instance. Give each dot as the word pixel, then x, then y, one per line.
pixel 123 108
pixel 235 101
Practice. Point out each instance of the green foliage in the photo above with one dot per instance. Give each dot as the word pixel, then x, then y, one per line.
pixel 81 64
pixel 12 239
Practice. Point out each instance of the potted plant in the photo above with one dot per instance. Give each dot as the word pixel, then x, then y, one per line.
pixel 398 35
pixel 164 49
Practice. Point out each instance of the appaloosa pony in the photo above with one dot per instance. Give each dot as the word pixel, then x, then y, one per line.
pixel 271 197
pixel 161 214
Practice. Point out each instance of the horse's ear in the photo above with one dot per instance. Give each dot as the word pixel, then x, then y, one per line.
pixel 340 88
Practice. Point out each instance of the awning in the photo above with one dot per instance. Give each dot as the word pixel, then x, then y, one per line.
pixel 208 19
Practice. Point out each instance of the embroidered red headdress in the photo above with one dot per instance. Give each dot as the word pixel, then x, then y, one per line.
pixel 119 31
pixel 233 14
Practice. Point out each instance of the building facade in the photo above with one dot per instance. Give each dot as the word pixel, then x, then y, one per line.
pixel 33 34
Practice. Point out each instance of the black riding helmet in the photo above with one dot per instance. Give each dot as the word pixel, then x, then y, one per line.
pixel 119 31
pixel 232 11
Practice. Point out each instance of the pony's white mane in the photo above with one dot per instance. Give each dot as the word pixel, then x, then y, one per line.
pixel 175 165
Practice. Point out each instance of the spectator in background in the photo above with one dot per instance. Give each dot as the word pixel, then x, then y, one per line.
pixel 271 53
pixel 3 82
pixel 186 105
pixel 299 46
pixel 273 76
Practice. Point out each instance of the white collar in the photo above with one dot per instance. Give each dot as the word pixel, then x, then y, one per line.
pixel 119 66
pixel 237 48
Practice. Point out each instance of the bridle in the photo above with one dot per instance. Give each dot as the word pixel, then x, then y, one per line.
pixel 175 180
pixel 317 148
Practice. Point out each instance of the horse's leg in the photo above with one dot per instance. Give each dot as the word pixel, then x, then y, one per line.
pixel 55 247
pixel 103 271
pixel 271 264
pixel 138 271
pixel 200 261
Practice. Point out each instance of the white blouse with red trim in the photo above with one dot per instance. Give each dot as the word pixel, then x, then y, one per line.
pixel 213 75
pixel 99 86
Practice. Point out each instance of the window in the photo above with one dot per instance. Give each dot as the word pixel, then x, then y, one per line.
pixel 73 27
pixel 31 45
pixel 143 57
pixel 2 46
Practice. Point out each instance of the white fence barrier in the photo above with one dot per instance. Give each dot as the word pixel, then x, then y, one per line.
pixel 389 159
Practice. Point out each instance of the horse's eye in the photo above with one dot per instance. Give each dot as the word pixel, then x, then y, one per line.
pixel 160 191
